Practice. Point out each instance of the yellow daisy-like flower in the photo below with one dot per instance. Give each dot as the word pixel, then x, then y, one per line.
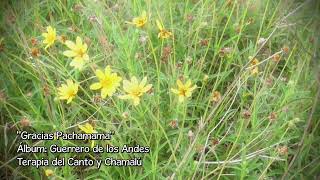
pixel 49 37
pixel 135 89
pixel 140 21
pixel 68 91
pixel 108 82
pixel 184 90
pixel 88 129
pixel 163 33
pixel 48 172
pixel 78 51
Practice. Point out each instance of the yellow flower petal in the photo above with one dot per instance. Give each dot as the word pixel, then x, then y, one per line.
pixel 107 70
pixel 78 41
pixel 70 45
pixel 95 86
pixel 99 74
pixel 147 88
pixel 176 91
pixel 69 53
pixel 136 101
pixel 180 84
pixel 159 25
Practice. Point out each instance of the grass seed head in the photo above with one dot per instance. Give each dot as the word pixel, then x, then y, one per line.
pixel 285 49
pixel 34 41
pixel 282 150
pixel 190 18
pixel 77 8
pixel 173 124
pixel 35 52
pixel 204 42
pixel 246 114
pixel 25 122
pixel 272 117
pixel 214 141
pixel 216 96
pixel 276 58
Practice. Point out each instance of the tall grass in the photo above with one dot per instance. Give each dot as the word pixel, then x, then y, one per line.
pixel 263 126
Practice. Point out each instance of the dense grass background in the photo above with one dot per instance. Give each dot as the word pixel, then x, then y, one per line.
pixel 263 127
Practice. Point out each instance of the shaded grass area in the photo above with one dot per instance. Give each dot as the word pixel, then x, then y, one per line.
pixel 256 125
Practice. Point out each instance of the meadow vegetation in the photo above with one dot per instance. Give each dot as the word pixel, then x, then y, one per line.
pixel 217 89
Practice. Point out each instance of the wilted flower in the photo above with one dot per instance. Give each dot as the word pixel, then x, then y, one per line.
pixel 62 38
pixel 35 52
pixel 276 57
pixel 48 172
pixel 246 114
pixel 216 96
pixel 163 33
pixel 254 69
pixel 272 117
pixel 34 41
pixel 285 49
pixel 25 122
pixel 173 124
pixel 283 150
pixel 204 42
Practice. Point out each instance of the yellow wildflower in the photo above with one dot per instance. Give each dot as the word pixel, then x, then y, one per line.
pixel 68 91
pixel 78 51
pixel 135 90
pixel 163 33
pixel 140 21
pixel 108 82
pixel 184 90
pixel 49 36
pixel 48 172
pixel 88 129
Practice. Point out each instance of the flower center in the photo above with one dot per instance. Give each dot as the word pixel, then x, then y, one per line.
pixel 71 93
pixel 106 82
pixel 183 92
pixel 136 92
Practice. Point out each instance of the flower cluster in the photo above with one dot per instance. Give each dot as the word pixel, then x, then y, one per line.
pixel 109 81
pixel 141 21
